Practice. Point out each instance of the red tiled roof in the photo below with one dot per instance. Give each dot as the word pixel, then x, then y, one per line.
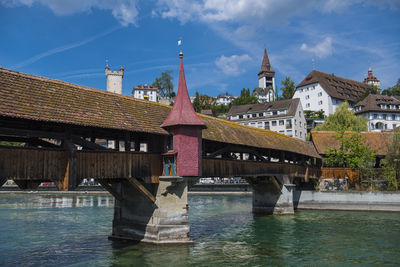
pixel 323 140
pixel 335 86
pixel 31 97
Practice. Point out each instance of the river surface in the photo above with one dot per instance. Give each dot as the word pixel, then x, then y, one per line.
pixel 71 230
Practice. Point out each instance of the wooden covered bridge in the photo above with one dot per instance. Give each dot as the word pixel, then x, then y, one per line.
pixel 60 130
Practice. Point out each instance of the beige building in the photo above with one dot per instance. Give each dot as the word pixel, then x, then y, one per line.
pixel 283 116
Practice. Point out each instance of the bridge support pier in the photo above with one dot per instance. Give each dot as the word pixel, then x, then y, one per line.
pixel 137 218
pixel 272 195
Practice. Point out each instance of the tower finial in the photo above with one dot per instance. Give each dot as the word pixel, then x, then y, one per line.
pixel 107 63
pixel 180 45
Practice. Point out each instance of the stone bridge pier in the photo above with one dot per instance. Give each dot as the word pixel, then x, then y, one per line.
pixel 272 195
pixel 163 219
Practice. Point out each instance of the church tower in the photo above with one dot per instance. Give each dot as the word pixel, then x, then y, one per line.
pixel 371 79
pixel 266 81
pixel 114 80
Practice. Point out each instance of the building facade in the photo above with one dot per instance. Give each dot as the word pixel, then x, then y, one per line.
pixel 224 99
pixel 114 80
pixel 145 92
pixel 283 116
pixel 382 112
pixel 323 91
pixel 265 92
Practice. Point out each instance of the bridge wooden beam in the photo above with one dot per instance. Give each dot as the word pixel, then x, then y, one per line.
pixel 31 133
pixel 29 140
pixel 136 184
pixel 86 144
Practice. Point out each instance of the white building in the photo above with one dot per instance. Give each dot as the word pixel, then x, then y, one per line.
pixel 114 79
pixel 382 112
pixel 283 116
pixel 224 99
pixel 145 92
pixel 266 81
pixel 323 91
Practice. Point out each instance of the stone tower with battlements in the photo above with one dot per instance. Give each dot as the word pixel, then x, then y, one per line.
pixel 114 80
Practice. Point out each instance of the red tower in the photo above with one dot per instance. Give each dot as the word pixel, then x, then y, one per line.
pixel 184 157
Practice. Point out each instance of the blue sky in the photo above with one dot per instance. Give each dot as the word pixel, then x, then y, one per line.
pixel 223 40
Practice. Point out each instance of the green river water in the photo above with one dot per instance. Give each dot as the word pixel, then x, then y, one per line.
pixel 72 230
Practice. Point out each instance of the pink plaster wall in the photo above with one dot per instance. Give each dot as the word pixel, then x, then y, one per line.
pixel 187 142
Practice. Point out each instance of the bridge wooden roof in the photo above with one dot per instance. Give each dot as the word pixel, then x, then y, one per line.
pixel 378 141
pixel 37 98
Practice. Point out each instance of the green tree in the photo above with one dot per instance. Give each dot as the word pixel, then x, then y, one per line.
pixel 288 88
pixel 343 120
pixel 245 98
pixel 310 114
pixel 353 152
pixel 395 90
pixel 220 109
pixel 202 102
pixel 9 143
pixel 164 84
pixel 391 163
pixel 371 90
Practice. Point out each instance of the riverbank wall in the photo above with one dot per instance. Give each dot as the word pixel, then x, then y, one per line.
pixel 345 200
pixel 211 188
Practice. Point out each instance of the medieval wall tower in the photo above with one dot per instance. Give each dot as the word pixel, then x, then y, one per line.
pixel 114 80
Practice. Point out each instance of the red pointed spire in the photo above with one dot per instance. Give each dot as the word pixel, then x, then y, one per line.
pixel 182 112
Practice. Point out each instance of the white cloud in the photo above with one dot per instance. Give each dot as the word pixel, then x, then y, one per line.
pixel 254 11
pixel 124 11
pixel 232 65
pixel 321 50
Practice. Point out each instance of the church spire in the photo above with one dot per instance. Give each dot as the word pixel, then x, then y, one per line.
pixel 266 65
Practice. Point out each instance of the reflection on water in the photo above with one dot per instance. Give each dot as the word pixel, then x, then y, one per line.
pixel 56 201
pixel 49 230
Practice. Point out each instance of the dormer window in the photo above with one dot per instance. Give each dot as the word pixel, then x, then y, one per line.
pixel 383 106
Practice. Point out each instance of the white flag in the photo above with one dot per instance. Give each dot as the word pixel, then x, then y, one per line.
pixel 179 42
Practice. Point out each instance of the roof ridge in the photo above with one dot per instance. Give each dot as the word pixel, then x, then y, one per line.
pixel 334 75
pixel 247 127
pixel 46 79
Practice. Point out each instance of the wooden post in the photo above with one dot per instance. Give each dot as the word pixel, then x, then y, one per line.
pixel 127 142
pixel 116 145
pixel 282 156
pixel 69 181
pixel 137 145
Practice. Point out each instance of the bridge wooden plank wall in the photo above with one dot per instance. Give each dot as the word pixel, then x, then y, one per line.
pixel 115 165
pixel 51 165
pixel 32 164
pixel 236 168
pixel 54 164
